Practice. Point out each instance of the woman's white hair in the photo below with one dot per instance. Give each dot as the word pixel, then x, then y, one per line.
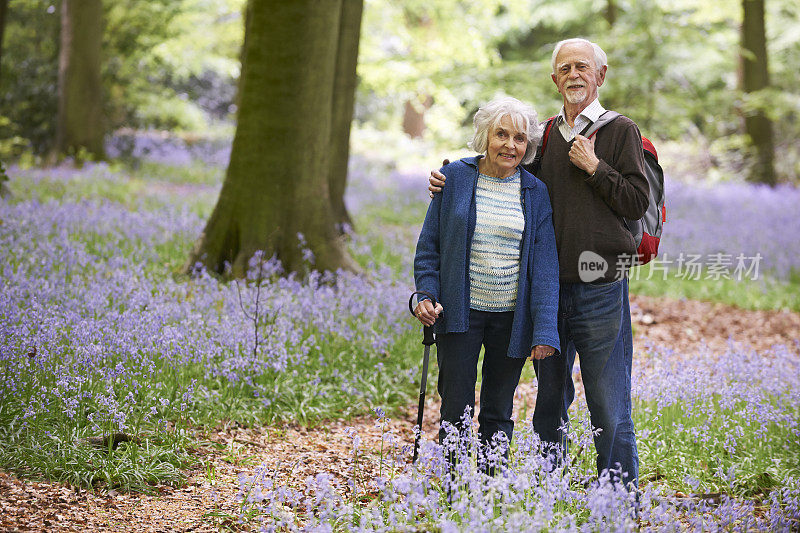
pixel 522 115
pixel 600 58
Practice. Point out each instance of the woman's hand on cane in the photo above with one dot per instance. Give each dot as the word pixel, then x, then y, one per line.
pixel 427 313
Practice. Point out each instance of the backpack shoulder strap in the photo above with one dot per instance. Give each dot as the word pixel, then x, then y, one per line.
pixel 547 128
pixel 601 121
pixel 534 166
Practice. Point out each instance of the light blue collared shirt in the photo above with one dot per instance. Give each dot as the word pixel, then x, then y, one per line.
pixel 586 117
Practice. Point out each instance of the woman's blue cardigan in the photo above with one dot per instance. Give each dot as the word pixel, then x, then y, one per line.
pixel 441 263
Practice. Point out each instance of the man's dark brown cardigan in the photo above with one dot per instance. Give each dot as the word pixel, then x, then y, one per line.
pixel 588 211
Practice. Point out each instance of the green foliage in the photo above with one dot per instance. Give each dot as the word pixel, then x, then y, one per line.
pixel 447 50
pixel 167 111
pixel 169 64
pixel 673 66
pixel 347 381
pixel 150 186
pixel 194 174
pixel 54 449
pixel 29 77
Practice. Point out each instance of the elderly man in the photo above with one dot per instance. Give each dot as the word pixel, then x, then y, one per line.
pixel 594 184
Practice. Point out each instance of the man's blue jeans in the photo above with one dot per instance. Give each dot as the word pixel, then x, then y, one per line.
pixel 595 320
pixel 458 362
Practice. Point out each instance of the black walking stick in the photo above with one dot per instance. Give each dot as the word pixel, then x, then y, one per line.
pixel 428 338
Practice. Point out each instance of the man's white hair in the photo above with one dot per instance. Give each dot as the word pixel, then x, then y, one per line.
pixel 600 59
pixel 522 115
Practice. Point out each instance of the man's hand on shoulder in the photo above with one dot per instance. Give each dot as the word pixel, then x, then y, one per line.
pixel 581 154
pixel 437 179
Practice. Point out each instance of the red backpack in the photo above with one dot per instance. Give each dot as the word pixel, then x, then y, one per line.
pixel 647 230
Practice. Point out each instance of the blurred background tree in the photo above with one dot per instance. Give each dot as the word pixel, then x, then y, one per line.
pixel 686 71
pixel 166 64
pixel 755 78
pixel 80 127
pixel 3 13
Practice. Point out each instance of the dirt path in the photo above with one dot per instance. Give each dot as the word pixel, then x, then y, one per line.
pixel 290 454
pixel 686 324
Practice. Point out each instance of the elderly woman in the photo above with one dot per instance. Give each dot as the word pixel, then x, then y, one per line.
pixel 487 253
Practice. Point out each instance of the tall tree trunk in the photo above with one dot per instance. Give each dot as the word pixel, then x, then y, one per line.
pixel 80 112
pixel 755 77
pixel 3 13
pixel 276 185
pixel 344 87
pixel 5 192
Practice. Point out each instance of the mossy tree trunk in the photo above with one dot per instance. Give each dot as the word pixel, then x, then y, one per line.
pixel 755 77
pixel 80 114
pixel 3 13
pixel 344 87
pixel 276 184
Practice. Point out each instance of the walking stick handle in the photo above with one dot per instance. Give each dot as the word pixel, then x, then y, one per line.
pixel 427 331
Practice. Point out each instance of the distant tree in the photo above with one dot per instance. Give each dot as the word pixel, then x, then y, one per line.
pixel 610 12
pixel 79 125
pixel 755 77
pixel 277 181
pixel 3 11
pixel 414 115
pixel 142 44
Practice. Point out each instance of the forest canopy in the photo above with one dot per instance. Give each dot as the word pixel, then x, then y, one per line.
pixel 424 67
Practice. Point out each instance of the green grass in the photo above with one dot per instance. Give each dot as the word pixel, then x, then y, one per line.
pixel 195 174
pixel 389 235
pixel 758 460
pixel 762 293
pixel 94 186
pixel 338 380
pixel 150 186
pixel 50 446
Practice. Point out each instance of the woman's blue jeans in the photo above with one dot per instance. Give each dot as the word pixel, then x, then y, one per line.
pixel 458 361
pixel 595 321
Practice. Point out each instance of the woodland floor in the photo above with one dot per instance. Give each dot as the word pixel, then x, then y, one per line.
pixel 291 453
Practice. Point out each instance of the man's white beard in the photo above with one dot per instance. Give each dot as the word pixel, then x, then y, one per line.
pixel 576 97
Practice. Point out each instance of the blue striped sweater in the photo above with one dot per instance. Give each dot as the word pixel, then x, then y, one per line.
pixel 494 255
